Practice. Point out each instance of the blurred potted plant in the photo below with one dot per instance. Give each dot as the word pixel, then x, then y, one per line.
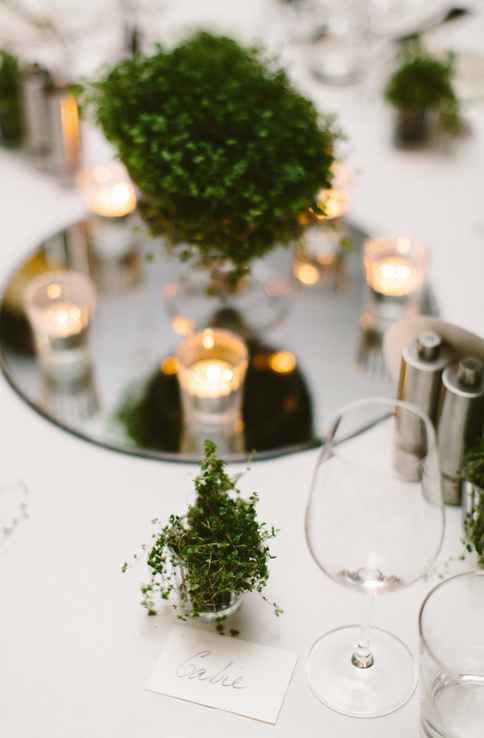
pixel 10 100
pixel 473 500
pixel 225 152
pixel 205 560
pixel 422 91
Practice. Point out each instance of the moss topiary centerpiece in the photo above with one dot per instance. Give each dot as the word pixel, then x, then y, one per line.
pixel 225 152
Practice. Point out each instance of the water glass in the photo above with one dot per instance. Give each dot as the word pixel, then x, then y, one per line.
pixel 452 658
pixel 341 41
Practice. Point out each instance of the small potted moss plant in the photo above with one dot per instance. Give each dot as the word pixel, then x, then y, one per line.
pixel 10 101
pixel 473 500
pixel 225 152
pixel 422 92
pixel 204 561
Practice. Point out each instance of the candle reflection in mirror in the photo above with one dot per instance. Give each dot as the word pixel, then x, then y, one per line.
pixel 211 370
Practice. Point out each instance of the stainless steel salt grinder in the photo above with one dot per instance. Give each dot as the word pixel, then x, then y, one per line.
pixel 460 421
pixel 423 361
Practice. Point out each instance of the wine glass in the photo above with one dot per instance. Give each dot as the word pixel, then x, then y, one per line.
pixel 374 523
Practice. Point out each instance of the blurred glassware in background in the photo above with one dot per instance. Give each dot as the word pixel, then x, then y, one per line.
pixel 452 658
pixel 340 41
pixel 67 38
pixel 375 526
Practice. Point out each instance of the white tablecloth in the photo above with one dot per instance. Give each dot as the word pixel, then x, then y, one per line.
pixel 75 646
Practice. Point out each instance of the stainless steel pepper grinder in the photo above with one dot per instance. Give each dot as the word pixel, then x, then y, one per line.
pixel 460 421
pixel 420 383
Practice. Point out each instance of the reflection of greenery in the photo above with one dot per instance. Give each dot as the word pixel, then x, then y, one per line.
pixel 425 82
pixel 473 471
pixel 226 153
pixel 277 409
pixel 219 542
pixel 10 100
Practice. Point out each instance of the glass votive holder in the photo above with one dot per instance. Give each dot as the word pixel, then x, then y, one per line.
pixel 334 201
pixel 452 658
pixel 211 370
pixel 107 190
pixel 59 306
pixel 319 255
pixel 111 199
pixel 395 272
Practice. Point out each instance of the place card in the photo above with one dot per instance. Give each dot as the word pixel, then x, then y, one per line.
pixel 222 672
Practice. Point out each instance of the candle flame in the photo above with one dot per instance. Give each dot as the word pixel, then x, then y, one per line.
pixel 208 340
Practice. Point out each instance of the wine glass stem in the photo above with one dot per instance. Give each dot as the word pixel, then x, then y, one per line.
pixel 362 656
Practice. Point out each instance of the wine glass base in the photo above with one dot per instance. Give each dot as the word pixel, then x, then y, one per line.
pixel 364 693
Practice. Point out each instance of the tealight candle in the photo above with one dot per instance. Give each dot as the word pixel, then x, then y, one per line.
pixel 395 270
pixel 59 306
pixel 334 201
pixel 210 378
pixel 111 198
pixel 108 191
pixel 62 319
pixel 211 370
pixel 394 276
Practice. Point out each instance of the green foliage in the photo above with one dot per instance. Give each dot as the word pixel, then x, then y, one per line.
pixel 225 152
pixel 220 544
pixel 10 100
pixel 473 471
pixel 423 81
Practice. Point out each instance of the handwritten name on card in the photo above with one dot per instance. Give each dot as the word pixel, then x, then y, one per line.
pixel 225 673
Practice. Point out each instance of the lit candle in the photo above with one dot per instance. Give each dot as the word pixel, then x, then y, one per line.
pixel 108 191
pixel 394 267
pixel 210 378
pixel 334 201
pixel 394 276
pixel 211 371
pixel 61 319
pixel 59 306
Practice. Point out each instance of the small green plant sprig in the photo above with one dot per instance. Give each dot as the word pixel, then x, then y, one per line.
pixel 226 153
pixel 220 543
pixel 473 471
pixel 424 81
pixel 10 100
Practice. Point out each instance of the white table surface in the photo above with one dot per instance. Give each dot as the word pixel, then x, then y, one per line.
pixel 76 648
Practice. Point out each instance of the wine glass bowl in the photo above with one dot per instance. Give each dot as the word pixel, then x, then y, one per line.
pixel 374 523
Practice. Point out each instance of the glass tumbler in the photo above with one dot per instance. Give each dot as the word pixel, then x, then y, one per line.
pixel 341 41
pixel 451 626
